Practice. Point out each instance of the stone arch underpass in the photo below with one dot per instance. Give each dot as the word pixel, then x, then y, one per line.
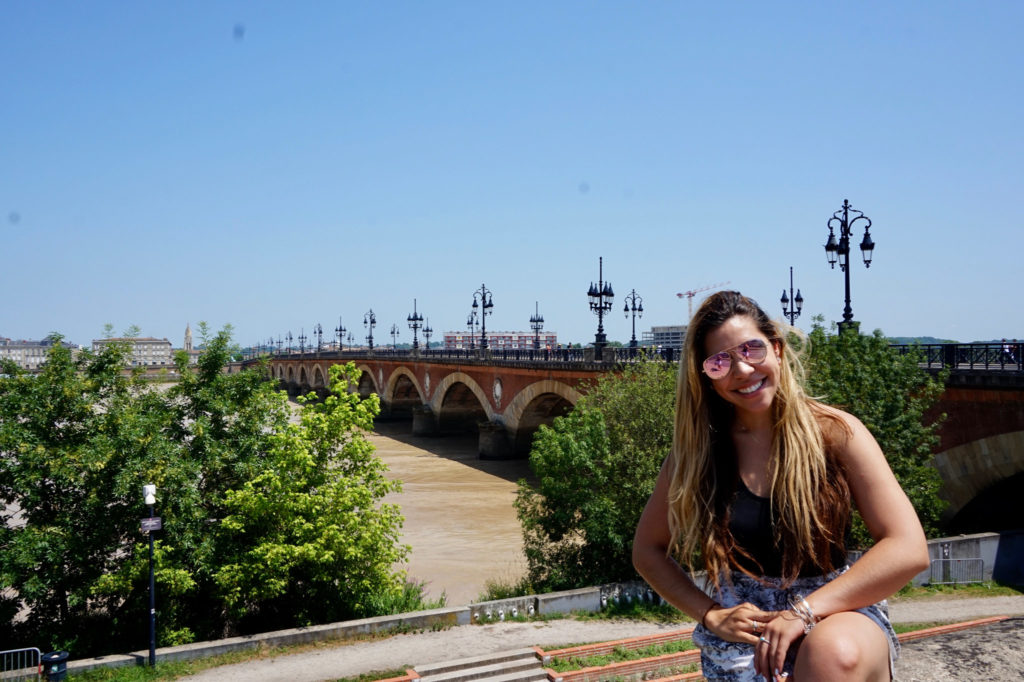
pixel 459 404
pixel 982 482
pixel 403 393
pixel 539 403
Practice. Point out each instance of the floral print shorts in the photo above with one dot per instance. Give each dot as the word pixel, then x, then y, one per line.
pixel 734 661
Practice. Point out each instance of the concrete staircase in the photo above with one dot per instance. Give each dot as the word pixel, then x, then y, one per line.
pixel 519 665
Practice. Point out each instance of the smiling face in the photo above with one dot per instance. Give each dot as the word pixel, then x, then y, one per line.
pixel 750 388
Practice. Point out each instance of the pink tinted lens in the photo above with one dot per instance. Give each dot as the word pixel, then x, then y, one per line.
pixel 717 365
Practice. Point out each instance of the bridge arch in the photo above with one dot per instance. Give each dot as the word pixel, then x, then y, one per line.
pixel 971 469
pixel 319 380
pixel 536 404
pixel 453 406
pixel 403 392
pixel 367 381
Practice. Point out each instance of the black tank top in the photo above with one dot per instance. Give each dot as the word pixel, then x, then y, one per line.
pixel 753 529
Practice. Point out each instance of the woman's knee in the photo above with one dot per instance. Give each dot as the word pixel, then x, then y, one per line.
pixel 844 646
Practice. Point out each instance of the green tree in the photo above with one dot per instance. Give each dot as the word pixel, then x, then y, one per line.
pixel 595 469
pixel 891 394
pixel 266 522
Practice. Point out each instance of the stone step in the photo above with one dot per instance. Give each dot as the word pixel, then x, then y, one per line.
pixel 519 665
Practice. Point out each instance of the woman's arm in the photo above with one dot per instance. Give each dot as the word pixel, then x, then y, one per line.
pixel 667 577
pixel 900 551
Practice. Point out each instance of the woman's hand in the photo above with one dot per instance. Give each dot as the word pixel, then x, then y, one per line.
pixel 742 623
pixel 779 634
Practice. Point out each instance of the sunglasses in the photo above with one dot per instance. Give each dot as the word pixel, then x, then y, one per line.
pixel 752 352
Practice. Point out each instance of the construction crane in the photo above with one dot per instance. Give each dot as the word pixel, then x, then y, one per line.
pixel 693 292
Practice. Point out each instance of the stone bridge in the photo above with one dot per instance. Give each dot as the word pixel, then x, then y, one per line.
pixel 505 399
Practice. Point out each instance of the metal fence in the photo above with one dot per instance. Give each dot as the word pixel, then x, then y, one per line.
pixel 957 571
pixel 990 356
pixel 20 664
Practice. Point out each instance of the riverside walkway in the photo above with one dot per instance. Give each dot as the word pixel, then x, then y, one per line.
pixel 994 652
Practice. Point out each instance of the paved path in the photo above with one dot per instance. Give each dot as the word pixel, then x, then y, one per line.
pixel 997 653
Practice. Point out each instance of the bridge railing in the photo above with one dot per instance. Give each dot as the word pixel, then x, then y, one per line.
pixel 613 355
pixel 968 356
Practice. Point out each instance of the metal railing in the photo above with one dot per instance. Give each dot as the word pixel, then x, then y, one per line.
pixel 968 356
pixel 610 355
pixel 957 571
pixel 20 664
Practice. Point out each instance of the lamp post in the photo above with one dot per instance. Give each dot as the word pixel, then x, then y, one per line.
pixel 350 339
pixel 302 341
pixel 841 251
pixel 340 331
pixel 369 322
pixel 394 337
pixel 415 321
pixel 635 305
pixel 485 304
pixel 600 304
pixel 471 322
pixel 149 525
pixel 319 330
pixel 278 344
pixel 798 301
pixel 427 333
pixel 289 340
pixel 536 324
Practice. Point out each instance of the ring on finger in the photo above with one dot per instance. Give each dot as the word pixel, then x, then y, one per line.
pixel 756 627
pixel 764 639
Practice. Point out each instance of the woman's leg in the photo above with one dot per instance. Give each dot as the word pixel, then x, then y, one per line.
pixel 844 646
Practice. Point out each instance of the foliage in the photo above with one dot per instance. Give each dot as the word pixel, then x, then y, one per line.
pixel 267 522
pixel 890 393
pixel 595 469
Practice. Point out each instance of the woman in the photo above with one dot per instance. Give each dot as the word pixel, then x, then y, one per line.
pixel 759 485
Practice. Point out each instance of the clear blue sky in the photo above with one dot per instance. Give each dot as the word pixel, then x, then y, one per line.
pixel 273 165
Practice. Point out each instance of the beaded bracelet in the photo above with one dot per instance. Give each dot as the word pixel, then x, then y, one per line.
pixel 801 608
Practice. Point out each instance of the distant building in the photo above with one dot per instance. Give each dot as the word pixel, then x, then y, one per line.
pixel 146 351
pixel 30 355
pixel 463 340
pixel 193 355
pixel 670 336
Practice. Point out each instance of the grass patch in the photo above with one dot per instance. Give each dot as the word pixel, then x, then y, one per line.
pixel 505 588
pixel 636 610
pixel 619 655
pixel 989 588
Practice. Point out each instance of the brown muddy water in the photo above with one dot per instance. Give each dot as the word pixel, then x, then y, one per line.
pixel 459 517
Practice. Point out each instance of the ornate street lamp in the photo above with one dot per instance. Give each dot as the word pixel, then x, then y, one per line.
pixel 472 322
pixel 600 304
pixel 319 336
pixel 536 324
pixel 635 305
pixel 340 331
pixel 289 340
pixel 369 322
pixel 427 333
pixel 394 337
pixel 350 339
pixel 278 344
pixel 798 301
pixel 302 340
pixel 841 250
pixel 485 305
pixel 415 321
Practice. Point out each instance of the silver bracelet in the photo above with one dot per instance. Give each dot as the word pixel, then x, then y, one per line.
pixel 802 609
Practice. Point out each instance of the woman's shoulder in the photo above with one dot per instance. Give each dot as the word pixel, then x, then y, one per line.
pixel 837 426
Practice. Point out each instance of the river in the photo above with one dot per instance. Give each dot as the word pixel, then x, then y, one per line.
pixel 459 514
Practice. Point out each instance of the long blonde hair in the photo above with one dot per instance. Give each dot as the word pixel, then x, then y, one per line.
pixel 809 494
